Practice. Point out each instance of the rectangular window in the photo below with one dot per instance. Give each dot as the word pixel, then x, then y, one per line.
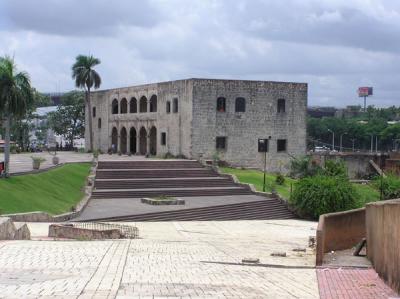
pixel 94 112
pixel 221 143
pixel 221 104
pixel 163 138
pixel 168 109
pixel 281 106
pixel 281 145
pixel 175 103
pixel 263 145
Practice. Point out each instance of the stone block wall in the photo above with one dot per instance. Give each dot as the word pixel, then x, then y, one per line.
pixel 192 131
pixel 243 129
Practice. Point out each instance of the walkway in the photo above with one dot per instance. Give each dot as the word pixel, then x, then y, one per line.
pixel 23 162
pixel 174 259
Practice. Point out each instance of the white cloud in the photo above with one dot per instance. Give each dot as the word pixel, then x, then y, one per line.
pixel 335 46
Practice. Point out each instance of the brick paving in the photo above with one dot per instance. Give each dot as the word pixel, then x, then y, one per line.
pixel 181 260
pixel 352 283
pixel 174 260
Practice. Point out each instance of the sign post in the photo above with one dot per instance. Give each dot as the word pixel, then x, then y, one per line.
pixel 263 148
pixel 364 92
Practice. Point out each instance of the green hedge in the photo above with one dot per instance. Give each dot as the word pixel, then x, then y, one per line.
pixel 322 194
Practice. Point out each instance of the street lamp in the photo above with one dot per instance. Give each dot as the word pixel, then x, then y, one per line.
pixel 353 140
pixel 333 139
pixel 341 139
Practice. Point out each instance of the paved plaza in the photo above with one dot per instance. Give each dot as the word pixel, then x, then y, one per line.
pixel 171 259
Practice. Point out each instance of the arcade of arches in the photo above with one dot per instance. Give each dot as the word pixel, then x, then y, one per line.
pixel 141 142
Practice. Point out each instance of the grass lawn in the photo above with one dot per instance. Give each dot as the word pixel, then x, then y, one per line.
pixel 366 192
pixel 54 191
pixel 256 178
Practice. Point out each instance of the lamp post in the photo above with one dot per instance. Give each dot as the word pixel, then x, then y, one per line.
pixel 341 139
pixel 353 140
pixel 372 142
pixel 333 139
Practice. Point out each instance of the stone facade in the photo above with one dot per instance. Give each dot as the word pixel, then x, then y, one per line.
pixel 185 114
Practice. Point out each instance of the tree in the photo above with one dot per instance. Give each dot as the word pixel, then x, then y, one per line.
pixel 86 77
pixel 15 99
pixel 40 99
pixel 69 119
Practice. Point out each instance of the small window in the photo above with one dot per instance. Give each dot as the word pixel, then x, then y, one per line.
pixel 240 105
pixel 168 108
pixel 163 138
pixel 99 123
pixel 115 106
pixel 124 106
pixel 221 104
pixel 281 106
pixel 221 143
pixel 281 145
pixel 175 105
pixel 94 111
pixel 153 103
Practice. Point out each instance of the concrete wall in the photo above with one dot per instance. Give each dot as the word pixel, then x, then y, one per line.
pixel 338 231
pixel 243 129
pixel 383 240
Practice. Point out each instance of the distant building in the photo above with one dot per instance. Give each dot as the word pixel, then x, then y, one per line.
pixel 349 112
pixel 320 112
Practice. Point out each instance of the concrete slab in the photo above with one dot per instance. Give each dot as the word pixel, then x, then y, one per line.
pixel 103 208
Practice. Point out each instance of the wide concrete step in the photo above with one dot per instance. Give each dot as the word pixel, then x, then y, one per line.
pixel 168 183
pixel 164 173
pixel 165 164
pixel 265 209
pixel 170 192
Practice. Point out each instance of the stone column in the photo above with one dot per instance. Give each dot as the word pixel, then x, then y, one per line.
pixel 137 143
pixel 128 140
pixel 148 143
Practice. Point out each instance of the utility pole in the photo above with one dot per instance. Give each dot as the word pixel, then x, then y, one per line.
pixel 353 140
pixel 372 143
pixel 333 139
pixel 341 139
pixel 376 144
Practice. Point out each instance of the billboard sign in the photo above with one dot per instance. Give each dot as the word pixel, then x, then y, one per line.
pixel 365 91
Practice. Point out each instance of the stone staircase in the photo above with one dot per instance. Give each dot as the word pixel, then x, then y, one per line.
pixel 180 178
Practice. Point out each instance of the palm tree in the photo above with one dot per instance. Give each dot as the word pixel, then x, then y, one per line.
pixel 15 99
pixel 86 77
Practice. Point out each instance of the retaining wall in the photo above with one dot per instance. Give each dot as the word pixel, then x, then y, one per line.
pixel 338 231
pixel 383 240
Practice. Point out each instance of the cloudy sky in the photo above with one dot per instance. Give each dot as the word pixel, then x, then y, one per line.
pixel 334 45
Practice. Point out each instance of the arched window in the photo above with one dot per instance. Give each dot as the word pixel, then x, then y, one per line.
pixel 99 123
pixel 143 104
pixel 94 111
pixel 240 105
pixel 221 104
pixel 281 105
pixel 153 103
pixel 175 105
pixel 124 106
pixel 114 106
pixel 133 105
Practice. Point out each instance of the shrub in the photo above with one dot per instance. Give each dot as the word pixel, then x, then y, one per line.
pixel 303 167
pixel 280 179
pixel 314 196
pixel 335 168
pixel 390 186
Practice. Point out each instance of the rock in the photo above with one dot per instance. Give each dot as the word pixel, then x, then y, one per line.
pixel 251 260
pixel 299 249
pixel 279 253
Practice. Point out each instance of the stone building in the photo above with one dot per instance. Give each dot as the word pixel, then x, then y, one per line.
pixel 198 118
